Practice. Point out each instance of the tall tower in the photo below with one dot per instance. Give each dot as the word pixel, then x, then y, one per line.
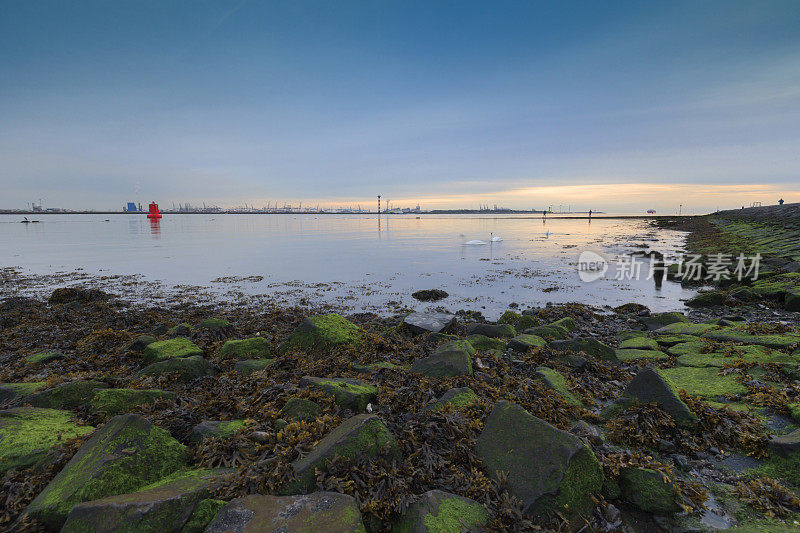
pixel 379 204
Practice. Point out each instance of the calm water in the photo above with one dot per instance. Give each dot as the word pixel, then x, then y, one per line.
pixel 355 261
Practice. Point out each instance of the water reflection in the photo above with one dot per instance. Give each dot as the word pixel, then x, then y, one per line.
pixel 155 228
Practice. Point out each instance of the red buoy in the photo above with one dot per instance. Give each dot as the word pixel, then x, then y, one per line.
pixel 153 211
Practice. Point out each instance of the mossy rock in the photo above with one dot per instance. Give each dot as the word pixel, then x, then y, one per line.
pixel 14 391
pixel 249 366
pixel 527 322
pixel 568 323
pixel 117 401
pixel 124 455
pixel 165 505
pixel 550 332
pixel 457 398
pixel 557 382
pixel 702 360
pixel 203 515
pixel 482 343
pixel 639 343
pixel 707 299
pixel 300 409
pixel 43 357
pixel 320 512
pixel 547 469
pixel 587 345
pixel 650 386
pixel 493 331
pixel 359 437
pixel 324 332
pixel 627 334
pixel 374 367
pixel 451 359
pixel 181 330
pixel 66 395
pixel 771 341
pixel 509 317
pixel 703 382
pixel 185 368
pixel 672 340
pixel 169 349
pixel 252 348
pixel 659 320
pixel 526 341
pixel 791 301
pixel 141 342
pixel 218 429
pixel 27 434
pixel 685 328
pixel 794 411
pixel 684 348
pixel 630 354
pixel 437 511
pixel 219 324
pixel 648 490
pixel 347 392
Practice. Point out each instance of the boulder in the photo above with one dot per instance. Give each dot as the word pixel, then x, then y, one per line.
pixel 349 393
pixel 526 322
pixel 218 429
pixel 141 342
pixel 456 397
pixel 640 343
pixel 185 368
pixel 785 445
pixel 165 505
pixel 704 382
pixel 568 323
pixel 41 358
pixel 374 367
pixel 359 437
pixel 181 330
pixel 66 395
pixel 437 511
pixel 630 354
pixel 482 343
pixel 627 334
pixel 791 301
pixel 587 345
pixel 27 434
pixel 685 328
pixel 319 512
pixel 300 409
pixel 648 490
pixel 217 324
pixel 451 359
pixel 493 331
pixel 118 401
pixel 323 333
pixel 14 392
pixel 252 365
pixel 124 455
pixel 548 332
pixel 168 349
pixel 77 294
pixel 649 386
pixel 526 341
pixel 659 320
pixel 429 322
pixel 554 380
pixel 509 317
pixel 707 299
pixel 547 469
pixel 252 348
pixel 429 295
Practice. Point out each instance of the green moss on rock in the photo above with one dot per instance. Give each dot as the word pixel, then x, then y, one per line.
pixel 630 354
pixel 703 382
pixel 124 455
pixel 441 512
pixel 43 357
pixel 117 401
pixel 300 409
pixel 457 398
pixel 482 343
pixel 648 490
pixel 685 328
pixel 347 392
pixel 66 395
pixel 323 332
pixel 14 391
pixel 252 365
pixel 252 348
pixel 556 381
pixel 28 433
pixel 215 323
pixel 509 317
pixel 639 343
pixel 185 368
pixel 203 515
pixel 168 349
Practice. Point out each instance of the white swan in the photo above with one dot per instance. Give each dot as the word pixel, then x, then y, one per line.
pixel 496 239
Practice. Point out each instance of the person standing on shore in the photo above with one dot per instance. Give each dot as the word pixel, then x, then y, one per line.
pixel 590 214
pixel 780 202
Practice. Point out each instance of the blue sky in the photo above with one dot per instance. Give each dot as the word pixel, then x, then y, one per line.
pixel 605 105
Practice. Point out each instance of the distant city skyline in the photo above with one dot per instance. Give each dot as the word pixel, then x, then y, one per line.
pixel 615 107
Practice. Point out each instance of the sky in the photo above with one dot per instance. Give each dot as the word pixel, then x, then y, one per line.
pixel 612 106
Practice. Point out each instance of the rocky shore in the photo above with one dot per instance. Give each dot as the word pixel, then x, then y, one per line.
pixel 127 417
